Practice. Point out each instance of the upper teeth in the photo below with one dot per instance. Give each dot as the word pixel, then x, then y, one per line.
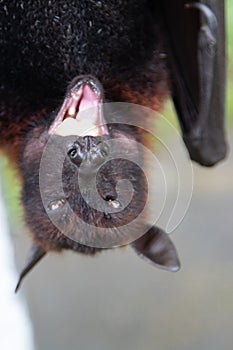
pixel 72 111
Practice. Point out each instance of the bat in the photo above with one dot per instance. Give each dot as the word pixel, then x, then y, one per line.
pixel 61 58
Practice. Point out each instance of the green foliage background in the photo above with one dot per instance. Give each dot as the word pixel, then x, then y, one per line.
pixel 229 27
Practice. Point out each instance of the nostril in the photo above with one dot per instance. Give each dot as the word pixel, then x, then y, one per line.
pixel 89 151
pixel 73 152
pixel 75 155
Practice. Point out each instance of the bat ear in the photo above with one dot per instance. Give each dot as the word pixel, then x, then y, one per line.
pixel 36 253
pixel 156 247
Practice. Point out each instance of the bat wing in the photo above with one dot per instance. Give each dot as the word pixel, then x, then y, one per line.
pixel 196 48
pixel 35 255
pixel 156 247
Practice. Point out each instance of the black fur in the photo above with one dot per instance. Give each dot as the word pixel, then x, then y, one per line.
pixel 43 47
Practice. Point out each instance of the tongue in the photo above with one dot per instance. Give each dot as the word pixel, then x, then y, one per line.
pixel 88 120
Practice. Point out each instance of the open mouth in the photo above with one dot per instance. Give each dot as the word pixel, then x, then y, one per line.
pixel 81 113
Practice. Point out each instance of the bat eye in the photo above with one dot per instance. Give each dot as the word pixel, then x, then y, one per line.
pixel 57 204
pixel 113 202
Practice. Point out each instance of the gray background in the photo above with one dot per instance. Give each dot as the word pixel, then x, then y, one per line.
pixel 117 301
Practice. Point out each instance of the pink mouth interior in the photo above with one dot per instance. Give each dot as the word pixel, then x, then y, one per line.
pixel 78 100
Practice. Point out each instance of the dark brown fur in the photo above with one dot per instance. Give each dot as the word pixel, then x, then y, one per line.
pixel 42 50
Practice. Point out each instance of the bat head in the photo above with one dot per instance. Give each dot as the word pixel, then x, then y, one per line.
pixel 74 170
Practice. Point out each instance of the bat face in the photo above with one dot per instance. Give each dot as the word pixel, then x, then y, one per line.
pixel 71 173
pixel 71 190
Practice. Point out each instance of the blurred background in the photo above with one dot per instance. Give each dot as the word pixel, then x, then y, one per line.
pixel 117 301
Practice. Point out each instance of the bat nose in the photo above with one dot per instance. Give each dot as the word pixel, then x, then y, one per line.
pixel 88 151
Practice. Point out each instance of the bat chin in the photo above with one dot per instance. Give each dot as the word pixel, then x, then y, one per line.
pixel 81 113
